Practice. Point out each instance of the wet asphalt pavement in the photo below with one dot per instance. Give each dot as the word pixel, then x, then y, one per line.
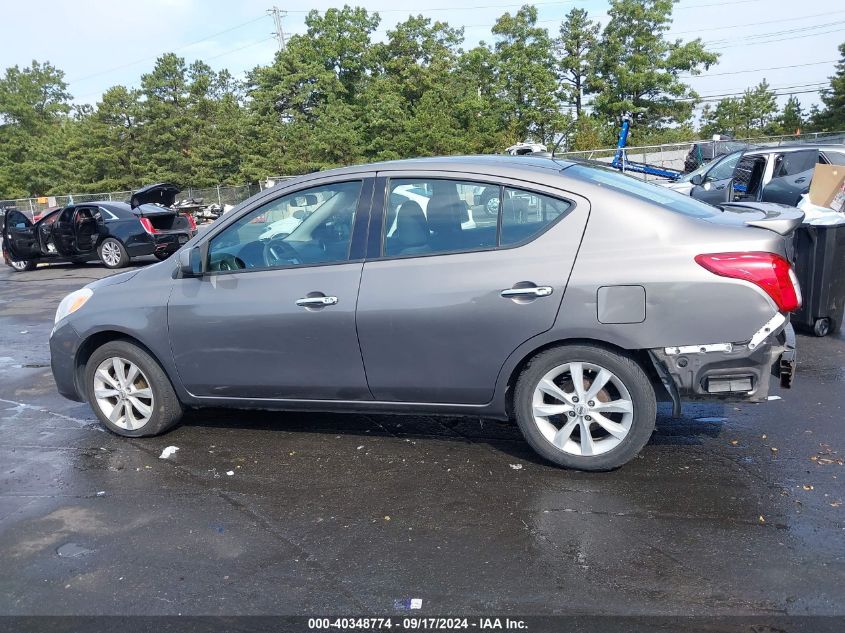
pixel 729 510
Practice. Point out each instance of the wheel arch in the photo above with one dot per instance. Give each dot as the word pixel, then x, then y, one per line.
pixel 97 340
pixel 515 367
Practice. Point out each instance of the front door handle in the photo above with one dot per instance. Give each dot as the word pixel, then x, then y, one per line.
pixel 316 302
pixel 527 293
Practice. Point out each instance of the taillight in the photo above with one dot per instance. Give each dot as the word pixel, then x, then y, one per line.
pixel 192 224
pixel 769 271
pixel 148 226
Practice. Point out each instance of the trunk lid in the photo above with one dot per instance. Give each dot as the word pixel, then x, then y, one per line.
pixel 779 218
pixel 162 193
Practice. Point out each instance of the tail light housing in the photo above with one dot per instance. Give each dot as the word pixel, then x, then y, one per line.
pixel 769 271
pixel 148 226
pixel 192 223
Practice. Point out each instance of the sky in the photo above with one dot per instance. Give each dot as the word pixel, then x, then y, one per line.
pixel 101 43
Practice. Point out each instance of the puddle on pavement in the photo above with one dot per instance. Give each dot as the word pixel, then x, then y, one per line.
pixel 72 550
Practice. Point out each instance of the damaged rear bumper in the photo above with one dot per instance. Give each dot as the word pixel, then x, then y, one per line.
pixel 729 371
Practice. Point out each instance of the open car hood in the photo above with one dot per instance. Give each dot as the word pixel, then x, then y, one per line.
pixel 163 193
pixel 779 218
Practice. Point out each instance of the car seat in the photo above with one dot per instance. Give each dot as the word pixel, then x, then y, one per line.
pixel 412 233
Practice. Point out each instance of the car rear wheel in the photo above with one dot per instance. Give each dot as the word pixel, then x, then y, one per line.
pixel 821 327
pixel 585 407
pixel 22 265
pixel 490 202
pixel 112 253
pixel 129 391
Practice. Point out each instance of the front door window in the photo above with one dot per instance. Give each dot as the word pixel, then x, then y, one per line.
pixel 305 228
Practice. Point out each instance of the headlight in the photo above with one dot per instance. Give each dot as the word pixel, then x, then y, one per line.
pixel 72 303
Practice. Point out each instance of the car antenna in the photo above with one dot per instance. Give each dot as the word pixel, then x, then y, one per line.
pixel 560 139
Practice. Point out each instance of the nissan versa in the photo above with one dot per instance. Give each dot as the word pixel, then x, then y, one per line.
pixel 585 298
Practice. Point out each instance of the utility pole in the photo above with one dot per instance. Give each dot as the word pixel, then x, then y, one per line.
pixel 278 14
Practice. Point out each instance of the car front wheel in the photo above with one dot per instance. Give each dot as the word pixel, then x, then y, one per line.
pixel 585 407
pixel 112 253
pixel 129 391
pixel 22 265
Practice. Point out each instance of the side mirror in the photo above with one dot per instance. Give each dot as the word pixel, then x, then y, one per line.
pixel 190 262
pixel 697 180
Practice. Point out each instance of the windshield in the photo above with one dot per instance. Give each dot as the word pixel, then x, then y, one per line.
pixel 643 190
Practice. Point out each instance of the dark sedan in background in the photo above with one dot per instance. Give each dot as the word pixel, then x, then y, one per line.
pixel 113 232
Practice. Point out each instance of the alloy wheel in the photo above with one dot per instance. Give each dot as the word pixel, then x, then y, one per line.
pixel 123 393
pixel 582 409
pixel 111 253
pixel 492 206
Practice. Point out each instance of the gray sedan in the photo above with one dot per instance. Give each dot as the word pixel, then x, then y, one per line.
pixel 588 297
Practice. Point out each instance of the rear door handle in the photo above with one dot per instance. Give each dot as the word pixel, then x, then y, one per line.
pixel 316 302
pixel 798 181
pixel 530 292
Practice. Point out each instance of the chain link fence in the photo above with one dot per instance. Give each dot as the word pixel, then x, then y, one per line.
pixel 221 195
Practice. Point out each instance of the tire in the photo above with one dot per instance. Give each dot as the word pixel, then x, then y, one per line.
pixel 490 202
pixel 632 424
pixel 22 266
pixel 112 253
pixel 821 327
pixel 163 409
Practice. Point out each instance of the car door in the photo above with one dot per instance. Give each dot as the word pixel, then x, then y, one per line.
pixel 275 318
pixel 86 228
pixel 717 186
pixel 20 236
pixel 63 233
pixel 791 176
pixel 444 303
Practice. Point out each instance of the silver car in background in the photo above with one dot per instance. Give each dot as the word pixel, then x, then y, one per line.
pixel 585 299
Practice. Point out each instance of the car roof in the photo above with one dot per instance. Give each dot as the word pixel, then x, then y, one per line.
pixel 492 164
pixel 796 148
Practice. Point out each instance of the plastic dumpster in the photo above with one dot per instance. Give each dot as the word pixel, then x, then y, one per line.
pixel 819 253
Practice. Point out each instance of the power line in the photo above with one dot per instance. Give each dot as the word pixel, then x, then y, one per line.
pixel 774 90
pixel 755 70
pixel 745 26
pixel 145 59
pixel 778 39
pixel 718 4
pixel 240 48
pixel 224 53
pixel 472 8
pixel 801 29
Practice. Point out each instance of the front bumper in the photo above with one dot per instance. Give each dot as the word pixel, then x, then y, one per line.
pixel 729 372
pixel 64 345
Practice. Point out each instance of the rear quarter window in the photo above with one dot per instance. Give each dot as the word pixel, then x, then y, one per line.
pixel 649 192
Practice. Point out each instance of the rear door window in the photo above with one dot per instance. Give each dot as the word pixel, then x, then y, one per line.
pixel 526 214
pixel 794 163
pixel 433 215
pixel 835 158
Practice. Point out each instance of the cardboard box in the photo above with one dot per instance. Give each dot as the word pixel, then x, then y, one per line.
pixel 828 181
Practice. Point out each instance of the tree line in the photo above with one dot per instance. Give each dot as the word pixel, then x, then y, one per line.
pixel 336 96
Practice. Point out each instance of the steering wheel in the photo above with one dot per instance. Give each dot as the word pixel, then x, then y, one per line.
pixel 277 251
pixel 229 262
